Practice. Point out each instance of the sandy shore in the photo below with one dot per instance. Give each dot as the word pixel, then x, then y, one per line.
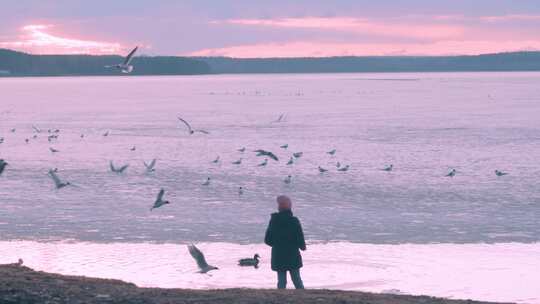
pixel 19 284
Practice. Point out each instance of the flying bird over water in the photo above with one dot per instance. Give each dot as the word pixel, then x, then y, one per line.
pixel 199 258
pixel 238 162
pixel 500 173
pixel 322 170
pixel 290 162
pixel 53 150
pixel 452 173
pixel 298 154
pixel 285 146
pixel 281 118
pixel 215 161
pixel 117 170
pixel 57 182
pixel 3 165
pixel 159 200
pixel 150 167
pixel 331 152
pixel 125 66
pixel 133 148
pixel 207 182
pixel 106 134
pixel 266 153
pixel 243 149
pixel 36 129
pixel 190 129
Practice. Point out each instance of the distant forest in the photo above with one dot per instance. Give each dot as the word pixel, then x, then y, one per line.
pixel 20 64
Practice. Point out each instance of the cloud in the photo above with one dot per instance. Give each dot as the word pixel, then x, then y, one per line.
pixel 358 25
pixel 324 49
pixel 507 18
pixel 35 38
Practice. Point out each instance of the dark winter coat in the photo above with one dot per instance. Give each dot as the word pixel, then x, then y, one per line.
pixel 285 236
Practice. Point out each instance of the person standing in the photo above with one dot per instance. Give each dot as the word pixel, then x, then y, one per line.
pixel 284 234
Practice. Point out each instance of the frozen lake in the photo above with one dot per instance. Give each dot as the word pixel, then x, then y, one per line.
pixel 423 124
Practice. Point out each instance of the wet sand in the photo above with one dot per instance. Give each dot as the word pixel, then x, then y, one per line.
pixel 19 284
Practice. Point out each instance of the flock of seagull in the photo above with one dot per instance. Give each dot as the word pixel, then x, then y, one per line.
pixel 196 253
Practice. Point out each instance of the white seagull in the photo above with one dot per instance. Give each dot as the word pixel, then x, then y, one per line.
pixel 57 182
pixel 388 168
pixel 190 129
pixel 117 170
pixel 150 167
pixel 332 152
pixel 343 169
pixel 207 182
pixel 125 66
pixel 199 258
pixel 159 200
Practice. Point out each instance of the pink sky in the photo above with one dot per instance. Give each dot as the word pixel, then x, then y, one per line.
pixel 175 30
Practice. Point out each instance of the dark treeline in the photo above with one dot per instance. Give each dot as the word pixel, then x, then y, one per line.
pixel 21 64
pixel 519 61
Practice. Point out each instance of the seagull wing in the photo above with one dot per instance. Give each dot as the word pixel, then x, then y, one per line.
pixel 272 156
pixel 186 123
pixel 160 195
pixel 124 167
pixel 198 256
pixel 130 56
pixel 151 165
pixel 55 178
pixel 113 169
pixel 202 131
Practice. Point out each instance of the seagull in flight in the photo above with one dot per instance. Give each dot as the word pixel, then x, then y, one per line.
pixel 133 148
pixel 264 163
pixel 3 165
pixel 243 149
pixel 281 118
pixel 238 162
pixel 389 168
pixel 53 150
pixel 207 182
pixel 298 154
pixel 215 161
pixel 36 129
pixel 332 152
pixel 285 146
pixel 290 162
pixel 199 258
pixel 452 173
pixel 266 153
pixel 500 173
pixel 106 134
pixel 159 200
pixel 57 182
pixel 150 167
pixel 117 170
pixel 125 66
pixel 322 170
pixel 190 129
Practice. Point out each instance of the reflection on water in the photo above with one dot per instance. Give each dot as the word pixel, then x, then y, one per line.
pixel 475 271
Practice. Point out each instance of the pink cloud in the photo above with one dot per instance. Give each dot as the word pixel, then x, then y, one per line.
pixel 321 49
pixel 505 18
pixel 358 25
pixel 35 38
